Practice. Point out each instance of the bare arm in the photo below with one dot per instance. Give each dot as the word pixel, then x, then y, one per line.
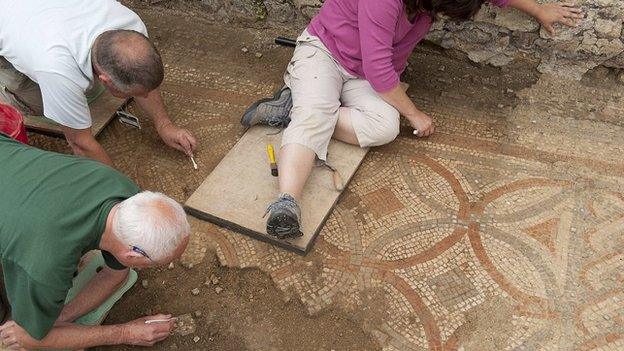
pixel 152 104
pixel 103 285
pixel 73 336
pixel 418 119
pixel 550 13
pixel 83 143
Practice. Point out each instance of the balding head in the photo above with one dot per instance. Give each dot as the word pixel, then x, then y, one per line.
pixel 129 59
pixel 153 222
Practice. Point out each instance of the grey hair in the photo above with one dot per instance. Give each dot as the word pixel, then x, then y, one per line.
pixel 130 59
pixel 153 222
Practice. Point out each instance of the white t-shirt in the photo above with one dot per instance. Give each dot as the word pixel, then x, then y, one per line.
pixel 50 42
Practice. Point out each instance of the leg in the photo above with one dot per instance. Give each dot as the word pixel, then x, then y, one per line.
pixel 295 166
pixel 18 90
pixel 95 290
pixel 315 82
pixel 365 119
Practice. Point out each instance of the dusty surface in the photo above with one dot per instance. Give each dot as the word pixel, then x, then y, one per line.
pixel 496 36
pixel 501 232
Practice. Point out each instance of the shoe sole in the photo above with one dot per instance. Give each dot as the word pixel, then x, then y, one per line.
pixel 247 115
pixel 283 222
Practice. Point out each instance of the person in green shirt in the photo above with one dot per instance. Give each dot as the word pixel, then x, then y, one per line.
pixel 54 208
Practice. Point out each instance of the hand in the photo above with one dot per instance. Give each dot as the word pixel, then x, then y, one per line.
pixel 177 138
pixel 141 334
pixel 564 13
pixel 422 123
pixel 15 337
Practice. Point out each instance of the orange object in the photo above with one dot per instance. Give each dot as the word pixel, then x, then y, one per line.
pixel 12 123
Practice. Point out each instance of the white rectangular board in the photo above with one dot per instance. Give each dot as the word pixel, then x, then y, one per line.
pixel 237 192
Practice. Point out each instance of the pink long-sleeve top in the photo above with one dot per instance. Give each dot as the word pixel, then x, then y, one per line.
pixel 372 39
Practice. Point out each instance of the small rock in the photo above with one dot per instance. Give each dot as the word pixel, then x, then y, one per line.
pixel 510 91
pixel 203 250
pixel 196 339
pixel 218 289
pixel 442 68
pixel 144 283
pixel 244 49
pixel 214 279
pixel 534 121
pixel 184 325
pixel 258 54
pixel 171 265
pixel 501 105
pixel 197 313
pixel 195 291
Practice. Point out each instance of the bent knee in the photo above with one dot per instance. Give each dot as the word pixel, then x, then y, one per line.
pixel 384 135
pixel 376 130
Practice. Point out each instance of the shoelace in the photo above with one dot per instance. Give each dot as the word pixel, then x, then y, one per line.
pixel 276 122
pixel 283 202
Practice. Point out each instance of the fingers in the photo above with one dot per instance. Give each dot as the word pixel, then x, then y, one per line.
pixel 7 325
pixel 568 4
pixel 568 22
pixel 191 139
pixel 161 336
pixel 185 142
pixel 426 132
pixel 159 316
pixel 164 327
pixel 550 29
pixel 184 145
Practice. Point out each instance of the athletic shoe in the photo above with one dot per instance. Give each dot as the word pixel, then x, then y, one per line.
pixel 274 112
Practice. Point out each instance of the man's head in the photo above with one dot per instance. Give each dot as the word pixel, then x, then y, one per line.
pixel 149 229
pixel 127 63
pixel 459 10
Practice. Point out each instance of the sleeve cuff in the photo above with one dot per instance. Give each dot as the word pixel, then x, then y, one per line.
pixel 386 86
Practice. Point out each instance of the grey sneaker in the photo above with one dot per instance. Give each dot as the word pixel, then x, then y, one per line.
pixel 285 217
pixel 274 111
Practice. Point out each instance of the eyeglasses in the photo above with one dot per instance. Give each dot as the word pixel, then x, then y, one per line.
pixel 140 251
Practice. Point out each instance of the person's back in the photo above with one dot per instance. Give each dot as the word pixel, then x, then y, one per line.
pixel 53 53
pixel 54 209
pixel 55 36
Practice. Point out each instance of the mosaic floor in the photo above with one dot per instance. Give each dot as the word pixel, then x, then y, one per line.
pixel 504 231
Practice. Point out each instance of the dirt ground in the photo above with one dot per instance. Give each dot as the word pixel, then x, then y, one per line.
pixel 209 82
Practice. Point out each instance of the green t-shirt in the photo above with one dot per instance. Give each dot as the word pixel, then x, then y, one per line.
pixel 53 209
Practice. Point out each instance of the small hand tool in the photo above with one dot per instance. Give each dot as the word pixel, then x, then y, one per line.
pixel 337 178
pixel 194 163
pixel 150 321
pixel 128 119
pixel 271 154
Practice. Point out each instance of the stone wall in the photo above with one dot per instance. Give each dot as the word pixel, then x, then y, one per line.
pixel 497 36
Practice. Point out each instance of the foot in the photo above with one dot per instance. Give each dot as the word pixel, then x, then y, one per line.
pixel 274 112
pixel 285 217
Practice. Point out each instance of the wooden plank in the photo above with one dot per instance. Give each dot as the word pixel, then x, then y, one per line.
pixel 102 113
pixel 237 192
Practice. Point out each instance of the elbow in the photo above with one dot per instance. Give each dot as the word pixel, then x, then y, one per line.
pixel 80 141
pixel 381 80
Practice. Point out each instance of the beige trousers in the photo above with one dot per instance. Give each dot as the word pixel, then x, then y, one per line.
pixel 17 90
pixel 320 86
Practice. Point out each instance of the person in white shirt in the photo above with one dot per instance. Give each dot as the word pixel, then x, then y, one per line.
pixel 53 53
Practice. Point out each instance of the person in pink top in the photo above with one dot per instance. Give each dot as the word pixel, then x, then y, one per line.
pixel 343 82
